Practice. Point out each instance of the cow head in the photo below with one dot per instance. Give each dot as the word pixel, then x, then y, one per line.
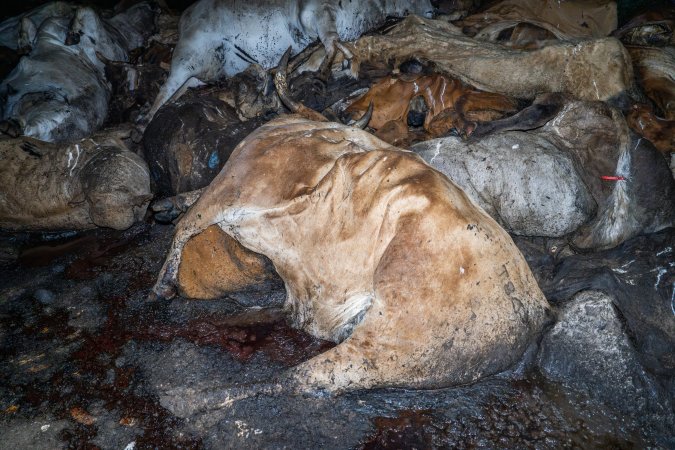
pixel 85 23
pixel 27 36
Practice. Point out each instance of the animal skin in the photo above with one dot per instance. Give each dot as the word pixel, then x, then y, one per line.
pixel 10 28
pixel 186 147
pixel 659 131
pixel 571 18
pixel 525 179
pixel 652 28
pixel 95 182
pixel 112 38
pixel 451 104
pixel 212 253
pixel 378 252
pixel 655 71
pixel 595 69
pixel 55 94
pixel 58 92
pixel 223 37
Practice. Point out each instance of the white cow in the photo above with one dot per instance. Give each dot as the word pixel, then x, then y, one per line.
pixel 223 37
pixel 59 92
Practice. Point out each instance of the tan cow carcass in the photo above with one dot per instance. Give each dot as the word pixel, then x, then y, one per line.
pixel 95 182
pixel 378 252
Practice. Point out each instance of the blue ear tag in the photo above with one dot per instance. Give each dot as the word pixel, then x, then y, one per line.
pixel 214 160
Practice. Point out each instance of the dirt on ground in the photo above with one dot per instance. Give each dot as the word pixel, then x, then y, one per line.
pixel 90 362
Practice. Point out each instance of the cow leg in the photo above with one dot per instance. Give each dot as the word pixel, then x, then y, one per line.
pixel 532 117
pixel 327 31
pixel 194 222
pixel 366 359
pixel 168 209
pixel 165 287
pixel 175 86
pixel 182 75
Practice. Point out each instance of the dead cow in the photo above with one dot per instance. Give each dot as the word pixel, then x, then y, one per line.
pixel 59 92
pixel 95 182
pixel 521 22
pixel 378 252
pixel 223 37
pixel 595 69
pixel 190 140
pixel 10 29
pixel 450 103
pixel 655 71
pixel 573 156
pixel 54 94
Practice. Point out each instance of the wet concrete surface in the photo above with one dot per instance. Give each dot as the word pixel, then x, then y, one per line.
pixel 88 362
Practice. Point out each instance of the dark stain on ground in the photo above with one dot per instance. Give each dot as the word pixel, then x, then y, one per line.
pixel 91 375
pixel 277 340
pixel 409 429
pixel 511 421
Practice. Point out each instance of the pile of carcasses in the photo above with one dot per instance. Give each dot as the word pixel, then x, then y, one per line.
pixel 538 119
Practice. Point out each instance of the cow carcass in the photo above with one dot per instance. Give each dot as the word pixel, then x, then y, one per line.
pixel 659 131
pixel 652 28
pixel 55 94
pixel 59 92
pixel 190 140
pixel 447 104
pixel 655 71
pixel 530 23
pixel 378 251
pixel 10 29
pixel 560 164
pixel 222 37
pixel 96 182
pixel 595 69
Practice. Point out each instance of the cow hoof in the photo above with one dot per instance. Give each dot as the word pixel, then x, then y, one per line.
pixel 165 210
pixel 162 292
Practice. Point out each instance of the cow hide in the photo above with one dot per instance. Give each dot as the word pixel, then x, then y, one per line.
pixel 655 72
pixel 95 182
pixel 10 28
pixel 377 251
pixel 55 94
pixel 59 93
pixel 559 168
pixel 574 18
pixel 597 69
pixel 449 103
pixel 188 141
pixel 522 180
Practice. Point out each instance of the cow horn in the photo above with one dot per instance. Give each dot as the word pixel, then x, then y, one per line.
pixel 281 85
pixel 102 58
pixel 363 121
pixel 282 89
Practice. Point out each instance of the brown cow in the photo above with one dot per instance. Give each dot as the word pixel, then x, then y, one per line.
pixel 451 103
pixel 378 252
pixel 573 18
pixel 660 131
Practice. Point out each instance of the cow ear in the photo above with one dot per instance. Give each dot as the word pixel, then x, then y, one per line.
pixel 27 35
